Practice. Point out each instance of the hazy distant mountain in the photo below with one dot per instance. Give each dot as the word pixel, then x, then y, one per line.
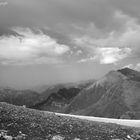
pixel 114 95
pixel 56 87
pixel 18 97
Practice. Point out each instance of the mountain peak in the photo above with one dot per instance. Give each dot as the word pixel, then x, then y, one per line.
pixel 130 73
pixel 127 70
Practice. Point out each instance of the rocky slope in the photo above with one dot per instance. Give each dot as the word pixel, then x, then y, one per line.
pixel 112 96
pixel 38 125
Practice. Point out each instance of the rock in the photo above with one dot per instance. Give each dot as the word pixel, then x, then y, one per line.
pixel 76 139
pixel 116 139
pixel 57 137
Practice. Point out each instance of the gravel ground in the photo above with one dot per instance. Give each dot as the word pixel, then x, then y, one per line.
pixel 38 125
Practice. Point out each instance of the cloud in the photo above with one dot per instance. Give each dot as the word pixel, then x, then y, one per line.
pixel 114 46
pixel 137 67
pixel 79 52
pixel 115 26
pixel 108 55
pixel 133 66
pixel 86 60
pixel 4 3
pixel 29 48
pixel 106 50
pixel 111 55
pixel 51 13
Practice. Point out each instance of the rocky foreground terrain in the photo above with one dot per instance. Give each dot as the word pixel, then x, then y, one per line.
pixel 39 125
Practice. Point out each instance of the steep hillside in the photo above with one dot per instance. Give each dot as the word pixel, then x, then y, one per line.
pixel 38 125
pixel 94 92
pixel 57 101
pixel 57 97
pixel 111 96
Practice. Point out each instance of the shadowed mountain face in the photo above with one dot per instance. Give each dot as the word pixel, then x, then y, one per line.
pixel 56 98
pixel 131 74
pixel 112 96
pixel 57 101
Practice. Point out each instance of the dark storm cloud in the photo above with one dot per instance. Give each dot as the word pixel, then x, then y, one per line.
pixel 41 13
pixel 129 7
pixel 60 15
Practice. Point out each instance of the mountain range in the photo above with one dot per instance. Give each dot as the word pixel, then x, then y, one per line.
pixel 116 95
pixel 52 98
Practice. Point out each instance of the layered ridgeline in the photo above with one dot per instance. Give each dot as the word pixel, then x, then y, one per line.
pixel 51 98
pixel 48 89
pixel 116 95
pixel 39 125
pixel 56 98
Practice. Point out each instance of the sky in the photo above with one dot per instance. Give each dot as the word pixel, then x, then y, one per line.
pixel 56 41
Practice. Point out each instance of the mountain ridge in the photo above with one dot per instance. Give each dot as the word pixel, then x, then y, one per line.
pixel 53 97
pixel 111 96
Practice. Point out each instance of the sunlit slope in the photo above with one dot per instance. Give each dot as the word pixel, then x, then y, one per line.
pixel 116 95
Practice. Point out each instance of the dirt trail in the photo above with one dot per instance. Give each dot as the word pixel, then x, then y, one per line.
pixel 132 123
